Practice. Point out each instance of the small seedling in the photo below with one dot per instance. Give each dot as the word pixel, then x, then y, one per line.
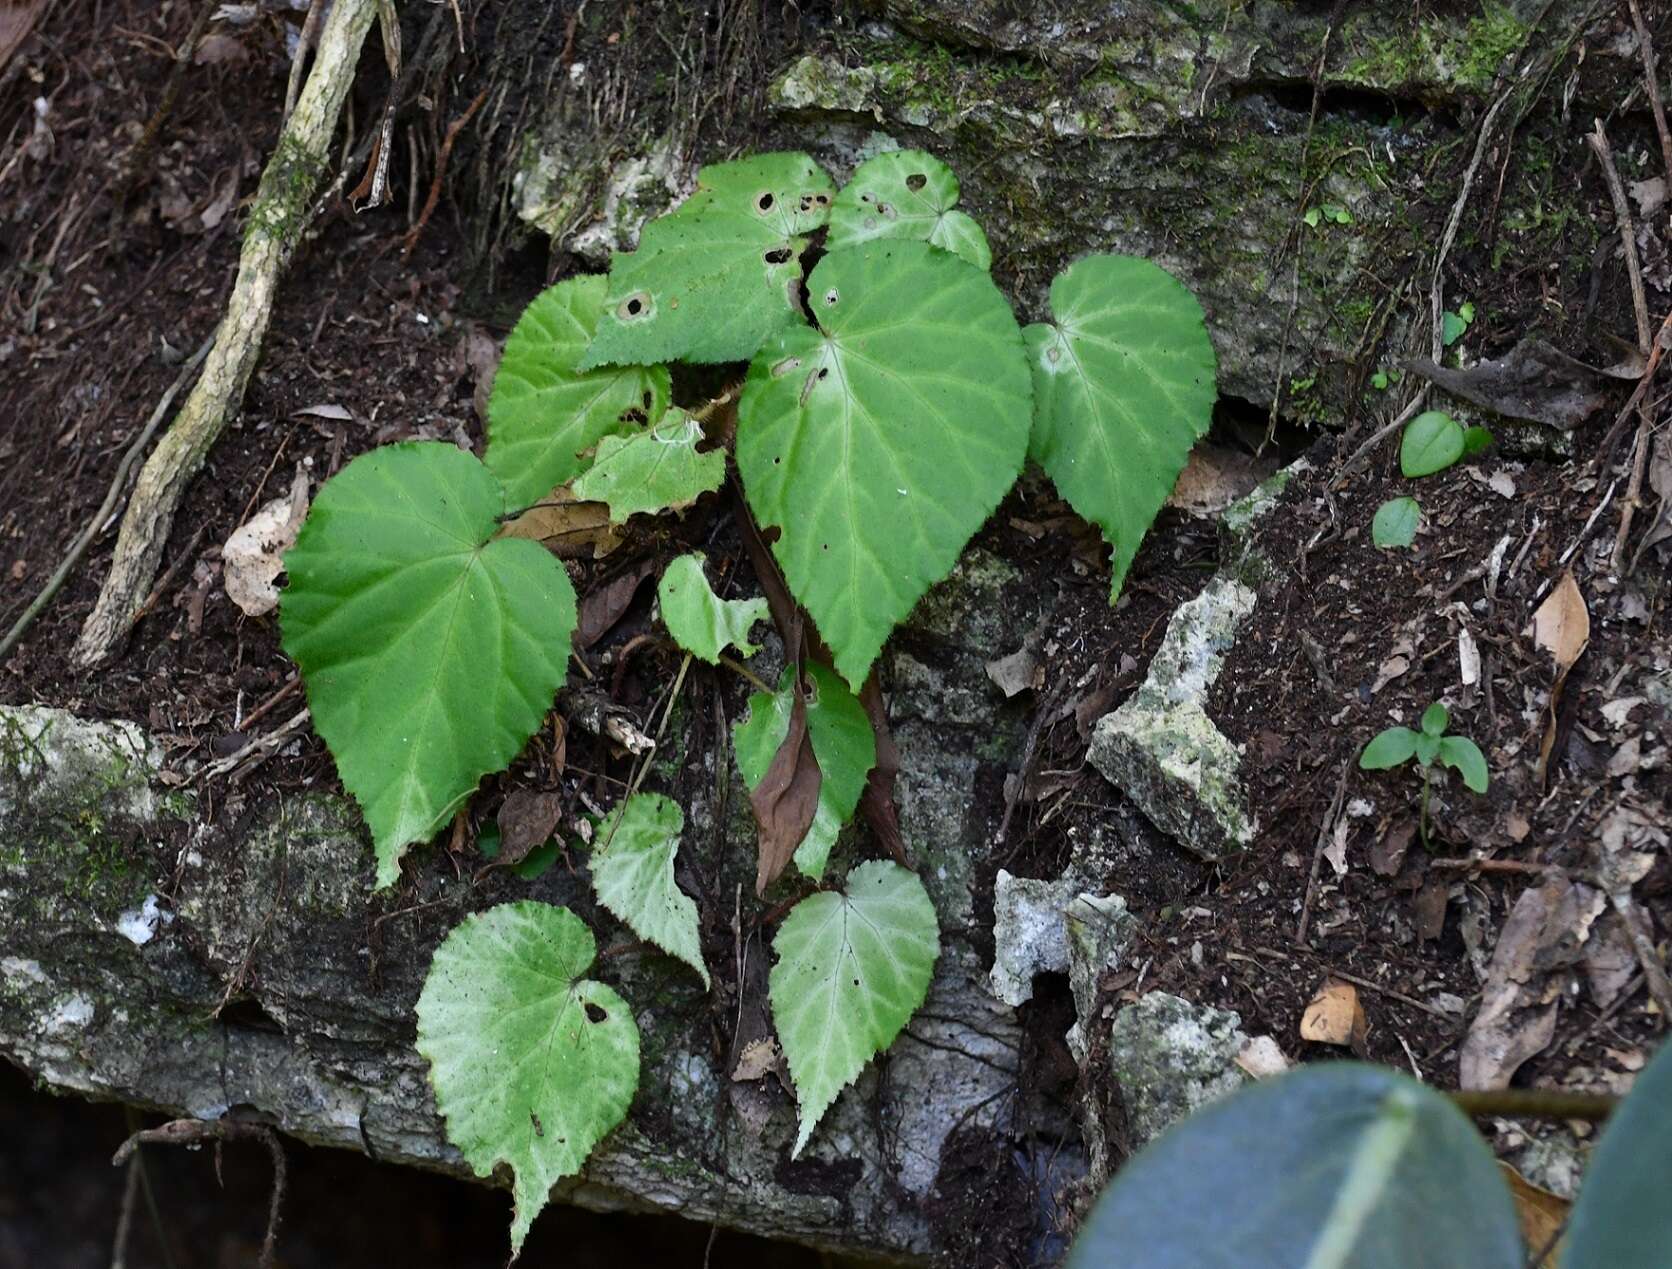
pixel 1453 324
pixel 1398 745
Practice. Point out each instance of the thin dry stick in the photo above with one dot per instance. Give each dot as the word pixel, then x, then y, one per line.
pixel 118 483
pixel 195 1132
pixel 1646 47
pixel 453 130
pixel 146 146
pixel 1324 831
pixel 277 219
pixel 1654 973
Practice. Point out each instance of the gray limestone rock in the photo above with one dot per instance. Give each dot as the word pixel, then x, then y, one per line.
pixel 1170 1058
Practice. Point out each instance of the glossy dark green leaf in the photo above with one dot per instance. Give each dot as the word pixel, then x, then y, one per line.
pixel 1330 1167
pixel 1623 1217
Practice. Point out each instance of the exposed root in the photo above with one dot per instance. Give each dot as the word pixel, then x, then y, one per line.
pixel 277 219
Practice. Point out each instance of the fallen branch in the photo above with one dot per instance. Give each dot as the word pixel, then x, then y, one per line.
pixel 277 218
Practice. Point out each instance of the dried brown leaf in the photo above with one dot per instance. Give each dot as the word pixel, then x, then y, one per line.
pixel 1540 1214
pixel 1562 624
pixel 604 605
pixel 527 818
pixel 786 798
pixel 568 528
pixel 1335 1016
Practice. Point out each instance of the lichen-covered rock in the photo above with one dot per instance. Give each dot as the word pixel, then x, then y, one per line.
pixel 1100 928
pixel 1161 749
pixel 1169 1058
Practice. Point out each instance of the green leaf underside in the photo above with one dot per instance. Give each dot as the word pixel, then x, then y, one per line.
pixel 532 1065
pixel 1328 1167
pixel 1622 1216
pixel 1464 756
pixel 1432 442
pixel 1395 522
pixel 1123 387
pixel 906 194
pixel 843 742
pixel 851 970
pixel 879 444
pixel 716 277
pixel 430 653
pixel 654 470
pixel 544 413
pixel 633 876
pixel 1390 748
pixel 701 622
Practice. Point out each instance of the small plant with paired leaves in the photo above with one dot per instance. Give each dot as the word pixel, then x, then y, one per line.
pixel 1395 746
pixel 1430 443
pixel 888 401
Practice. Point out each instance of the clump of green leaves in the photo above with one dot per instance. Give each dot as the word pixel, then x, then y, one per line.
pixel 889 399
pixel 1431 746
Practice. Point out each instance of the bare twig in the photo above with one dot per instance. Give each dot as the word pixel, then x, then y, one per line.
pixel 1598 141
pixel 1324 831
pixel 453 130
pixel 118 484
pixel 187 1132
pixel 1646 47
pixel 261 747
pixel 1389 992
pixel 1648 958
pixel 140 156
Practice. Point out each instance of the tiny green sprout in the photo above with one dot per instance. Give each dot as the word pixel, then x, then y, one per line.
pixel 1454 323
pixel 1398 745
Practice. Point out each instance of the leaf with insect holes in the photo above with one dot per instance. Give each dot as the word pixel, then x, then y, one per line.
pixel 545 413
pixel 851 970
pixel 881 441
pixel 1432 442
pixel 719 275
pixel 906 194
pixel 1123 387
pixel 431 650
pixel 1390 748
pixel 1395 522
pixel 532 1064
pixel 699 620
pixel 843 743
pixel 632 875
pixel 1464 756
pixel 654 470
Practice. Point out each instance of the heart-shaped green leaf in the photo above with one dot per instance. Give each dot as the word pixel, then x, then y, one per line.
pixel 716 277
pixel 1432 442
pixel 843 742
pixel 1332 1166
pixel 654 470
pixel 700 621
pixel 544 413
pixel 1622 1216
pixel 430 653
pixel 1123 385
pixel 880 443
pixel 632 875
pixel 532 1064
pixel 1395 522
pixel 852 969
pixel 906 194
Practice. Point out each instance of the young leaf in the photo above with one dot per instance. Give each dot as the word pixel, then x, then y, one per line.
pixel 1622 1216
pixel 633 876
pixel 1475 439
pixel 699 621
pixel 881 443
pixel 715 278
pixel 654 470
pixel 430 653
pixel 1428 749
pixel 544 413
pixel 906 194
pixel 1395 522
pixel 1389 748
pixel 1123 388
pixel 1432 442
pixel 1464 756
pixel 1357 1165
pixel 532 1064
pixel 851 970
pixel 1434 719
pixel 843 743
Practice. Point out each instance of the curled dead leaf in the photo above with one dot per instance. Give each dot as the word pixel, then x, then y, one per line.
pixel 254 555
pixel 1562 624
pixel 786 799
pixel 1335 1016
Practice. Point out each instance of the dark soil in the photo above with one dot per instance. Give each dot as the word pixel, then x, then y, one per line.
pixel 99 305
